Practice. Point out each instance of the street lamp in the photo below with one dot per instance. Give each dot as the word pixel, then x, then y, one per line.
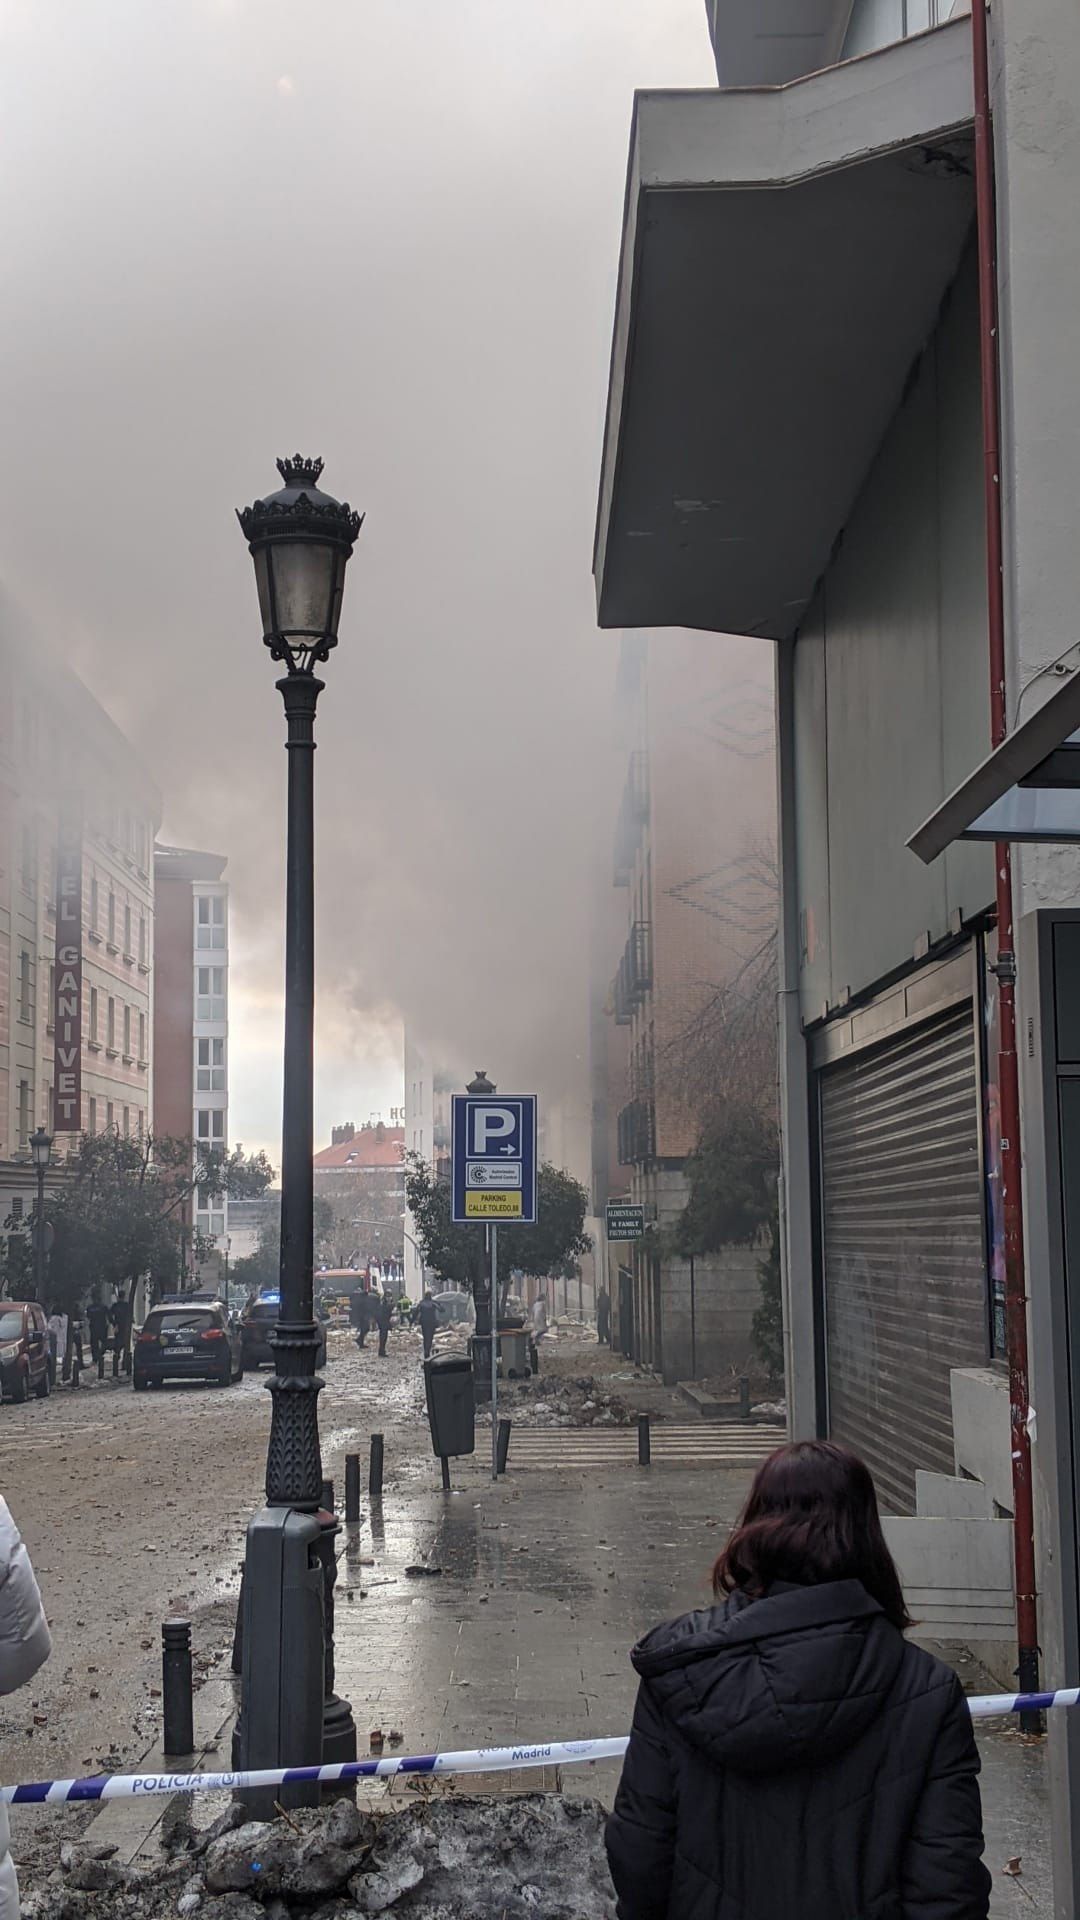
pixel 41 1150
pixel 300 540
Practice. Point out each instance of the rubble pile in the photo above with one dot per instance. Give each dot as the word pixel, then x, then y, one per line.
pixel 555 1400
pixel 531 1857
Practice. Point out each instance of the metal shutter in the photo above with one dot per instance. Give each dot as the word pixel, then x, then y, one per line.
pixel 903 1244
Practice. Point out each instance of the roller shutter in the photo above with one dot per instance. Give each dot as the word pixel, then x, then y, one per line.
pixel 903 1246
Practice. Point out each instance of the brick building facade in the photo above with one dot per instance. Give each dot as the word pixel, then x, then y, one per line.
pixel 693 840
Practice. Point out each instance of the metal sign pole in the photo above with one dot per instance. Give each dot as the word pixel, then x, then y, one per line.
pixel 494 1351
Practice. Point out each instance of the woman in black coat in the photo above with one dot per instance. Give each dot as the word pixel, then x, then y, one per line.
pixel 792 1756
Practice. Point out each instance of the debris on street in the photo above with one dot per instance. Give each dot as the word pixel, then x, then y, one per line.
pixel 438 1858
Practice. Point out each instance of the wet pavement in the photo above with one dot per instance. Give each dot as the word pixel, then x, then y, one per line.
pixel 135 1508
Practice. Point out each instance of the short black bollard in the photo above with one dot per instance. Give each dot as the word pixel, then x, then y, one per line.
pixel 503 1445
pixel 445 1465
pixel 327 1497
pixel 644 1441
pixel 352 1489
pixel 176 1702
pixel 744 1397
pixel 374 1485
pixel 101 1366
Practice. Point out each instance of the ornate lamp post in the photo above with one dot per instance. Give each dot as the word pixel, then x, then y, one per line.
pixel 41 1149
pixel 300 539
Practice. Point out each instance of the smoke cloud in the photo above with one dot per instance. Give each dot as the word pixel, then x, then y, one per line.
pixel 385 231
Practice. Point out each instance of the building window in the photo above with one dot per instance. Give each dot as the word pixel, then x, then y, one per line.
pixel 52 996
pixel 112 919
pixel 91 1117
pixel 25 1008
pixel 210 1066
pixel 142 1036
pixel 142 939
pixel 93 1015
pixel 210 1128
pixel 210 920
pixel 16 1206
pixel 28 856
pixel 127 1035
pixel 142 1123
pixel 210 1224
pixel 210 997
pixel 24 1112
pixel 50 1108
pixel 93 924
pixel 110 1030
pixel 109 1116
pixel 127 934
pixel 127 1123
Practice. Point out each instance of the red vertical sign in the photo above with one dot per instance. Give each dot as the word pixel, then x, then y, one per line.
pixel 68 988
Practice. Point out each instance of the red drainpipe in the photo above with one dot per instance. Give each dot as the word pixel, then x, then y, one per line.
pixel 1027 1628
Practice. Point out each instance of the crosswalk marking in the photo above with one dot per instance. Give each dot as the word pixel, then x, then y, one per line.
pixel 575 1448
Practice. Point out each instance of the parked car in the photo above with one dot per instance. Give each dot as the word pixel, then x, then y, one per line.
pixel 255 1324
pixel 193 1341
pixel 24 1351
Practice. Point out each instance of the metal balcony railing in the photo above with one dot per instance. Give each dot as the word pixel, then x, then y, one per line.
pixel 637 1133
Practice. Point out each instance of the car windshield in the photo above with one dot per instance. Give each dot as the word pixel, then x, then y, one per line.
pixel 11 1326
pixel 179 1319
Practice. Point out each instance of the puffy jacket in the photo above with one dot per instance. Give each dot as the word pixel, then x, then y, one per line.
pixel 25 1644
pixel 794 1758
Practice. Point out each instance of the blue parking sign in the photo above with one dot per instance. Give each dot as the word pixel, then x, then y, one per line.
pixel 494 1158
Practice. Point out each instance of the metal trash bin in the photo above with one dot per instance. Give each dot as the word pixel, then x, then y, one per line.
pixel 514 1353
pixel 451 1404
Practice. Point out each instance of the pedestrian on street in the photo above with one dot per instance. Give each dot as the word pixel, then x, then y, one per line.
pixel 361 1315
pixel 120 1321
pixel 427 1315
pixel 25 1645
pixel 97 1320
pixel 603 1317
pixel 384 1320
pixel 791 1753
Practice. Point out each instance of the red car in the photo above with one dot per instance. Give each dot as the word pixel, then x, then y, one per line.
pixel 24 1351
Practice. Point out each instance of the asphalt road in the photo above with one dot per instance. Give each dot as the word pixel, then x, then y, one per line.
pixel 133 1509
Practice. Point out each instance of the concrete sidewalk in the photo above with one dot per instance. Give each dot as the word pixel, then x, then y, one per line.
pixel 545 1581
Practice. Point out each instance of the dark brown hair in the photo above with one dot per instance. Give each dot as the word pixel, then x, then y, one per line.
pixel 811 1516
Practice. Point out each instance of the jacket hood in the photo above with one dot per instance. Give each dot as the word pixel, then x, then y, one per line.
pixel 790 1680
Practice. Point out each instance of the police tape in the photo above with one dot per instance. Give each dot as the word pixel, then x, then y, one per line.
pixel 554 1753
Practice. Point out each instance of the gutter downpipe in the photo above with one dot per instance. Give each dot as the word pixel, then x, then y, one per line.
pixel 1027 1633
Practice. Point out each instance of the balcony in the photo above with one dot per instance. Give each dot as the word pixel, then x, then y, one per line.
pixel 637 1133
pixel 635 975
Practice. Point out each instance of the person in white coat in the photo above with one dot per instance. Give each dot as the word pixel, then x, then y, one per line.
pixel 25 1645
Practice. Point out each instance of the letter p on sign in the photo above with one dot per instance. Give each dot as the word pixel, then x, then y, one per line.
pixel 492 1127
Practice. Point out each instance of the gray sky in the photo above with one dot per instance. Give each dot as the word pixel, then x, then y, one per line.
pixel 385 231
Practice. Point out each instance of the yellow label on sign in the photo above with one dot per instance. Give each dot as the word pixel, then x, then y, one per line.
pixel 492 1206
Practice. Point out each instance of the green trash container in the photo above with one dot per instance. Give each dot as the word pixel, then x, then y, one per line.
pixel 451 1404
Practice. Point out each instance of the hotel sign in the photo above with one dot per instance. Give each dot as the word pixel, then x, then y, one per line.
pixel 68 987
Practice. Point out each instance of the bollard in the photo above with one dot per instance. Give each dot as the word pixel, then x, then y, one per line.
pixel 176 1703
pixel 238 1631
pixel 352 1489
pixel 445 1464
pixel 326 1497
pixel 744 1397
pixel 375 1468
pixel 504 1445
pixel 101 1366
pixel 644 1441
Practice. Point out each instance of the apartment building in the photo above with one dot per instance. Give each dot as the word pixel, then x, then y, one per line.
pixel 78 814
pixel 191 1013
pixel 360 1175
pixel 794 452
pixel 692 859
